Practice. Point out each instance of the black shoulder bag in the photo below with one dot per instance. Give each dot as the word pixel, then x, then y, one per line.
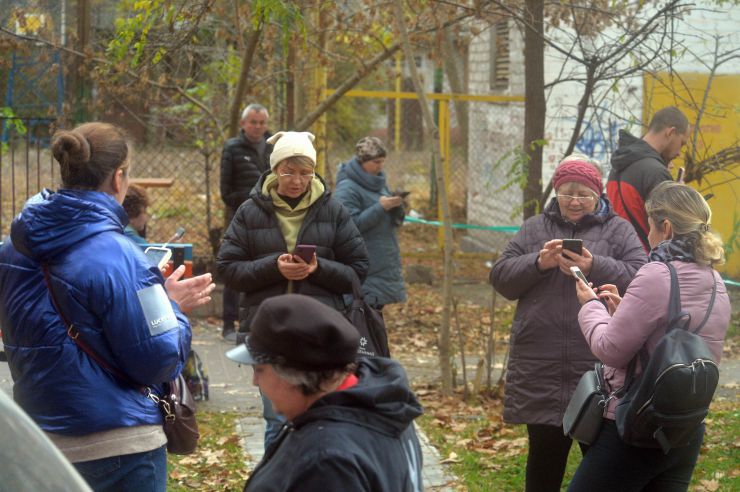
pixel 369 322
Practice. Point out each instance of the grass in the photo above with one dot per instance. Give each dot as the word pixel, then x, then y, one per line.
pixel 486 454
pixel 217 464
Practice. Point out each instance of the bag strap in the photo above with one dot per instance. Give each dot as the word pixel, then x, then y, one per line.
pixel 711 304
pixel 74 334
pixel 356 286
pixel 636 225
pixel 674 311
pixel 674 298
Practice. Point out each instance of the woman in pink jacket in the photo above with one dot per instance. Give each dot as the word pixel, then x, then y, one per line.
pixel 679 221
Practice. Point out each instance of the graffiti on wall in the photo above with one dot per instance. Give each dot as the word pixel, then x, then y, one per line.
pixel 599 138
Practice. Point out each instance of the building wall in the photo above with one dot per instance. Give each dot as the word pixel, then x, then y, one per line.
pixel 495 133
pixel 499 127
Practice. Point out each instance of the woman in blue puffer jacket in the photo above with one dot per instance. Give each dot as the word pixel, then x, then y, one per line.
pixel 362 189
pixel 118 304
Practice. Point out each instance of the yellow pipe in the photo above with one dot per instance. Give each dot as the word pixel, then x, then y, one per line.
pixel 443 126
pixel 435 96
pixel 397 119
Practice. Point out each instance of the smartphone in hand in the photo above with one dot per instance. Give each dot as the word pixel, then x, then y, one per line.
pixel 578 273
pixel 402 194
pixel 305 252
pixel 574 245
pixel 679 176
pixel 158 256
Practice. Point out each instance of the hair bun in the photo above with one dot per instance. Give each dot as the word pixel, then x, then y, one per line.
pixel 70 147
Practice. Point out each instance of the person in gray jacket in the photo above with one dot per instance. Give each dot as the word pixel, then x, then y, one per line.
pixel 362 189
pixel 548 354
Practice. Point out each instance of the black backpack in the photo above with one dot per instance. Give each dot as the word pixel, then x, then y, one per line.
pixel 664 406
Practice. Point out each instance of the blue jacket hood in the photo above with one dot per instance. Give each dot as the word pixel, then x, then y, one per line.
pixel 52 222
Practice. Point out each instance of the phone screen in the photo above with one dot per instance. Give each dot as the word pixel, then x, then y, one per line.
pixel 574 245
pixel 158 256
pixel 305 251
pixel 578 273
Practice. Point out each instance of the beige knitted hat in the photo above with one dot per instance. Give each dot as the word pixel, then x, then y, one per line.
pixel 291 144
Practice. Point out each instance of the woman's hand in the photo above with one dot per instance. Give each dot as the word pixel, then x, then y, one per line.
pixel 293 267
pixel 549 254
pixel 584 292
pixel 609 294
pixel 567 259
pixel 191 292
pixel 389 202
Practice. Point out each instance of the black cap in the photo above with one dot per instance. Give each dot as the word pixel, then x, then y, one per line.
pixel 300 332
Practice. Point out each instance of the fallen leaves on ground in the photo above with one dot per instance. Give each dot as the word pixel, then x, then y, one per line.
pixel 217 463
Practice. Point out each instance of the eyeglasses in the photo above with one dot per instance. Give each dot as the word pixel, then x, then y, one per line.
pixel 303 177
pixel 583 200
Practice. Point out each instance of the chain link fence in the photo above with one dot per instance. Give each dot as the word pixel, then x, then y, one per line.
pixel 481 189
pixel 191 201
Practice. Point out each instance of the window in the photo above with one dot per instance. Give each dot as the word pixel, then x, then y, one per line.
pixel 499 56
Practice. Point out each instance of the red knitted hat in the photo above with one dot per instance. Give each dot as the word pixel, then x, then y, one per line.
pixel 576 171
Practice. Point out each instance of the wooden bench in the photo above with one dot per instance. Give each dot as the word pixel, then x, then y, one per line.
pixel 153 182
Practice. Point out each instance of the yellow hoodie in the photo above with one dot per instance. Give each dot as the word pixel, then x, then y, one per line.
pixel 290 219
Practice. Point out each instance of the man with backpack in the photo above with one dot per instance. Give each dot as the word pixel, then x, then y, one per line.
pixel 652 431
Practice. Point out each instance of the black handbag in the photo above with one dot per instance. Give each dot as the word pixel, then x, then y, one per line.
pixel 176 403
pixel 369 322
pixel 584 416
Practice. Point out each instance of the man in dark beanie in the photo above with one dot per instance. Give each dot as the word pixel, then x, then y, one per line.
pixel 349 425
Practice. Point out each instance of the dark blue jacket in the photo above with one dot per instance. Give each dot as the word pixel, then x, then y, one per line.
pixel 98 275
pixel 360 193
pixel 358 439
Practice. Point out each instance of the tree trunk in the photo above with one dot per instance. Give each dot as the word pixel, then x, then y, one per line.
pixel 456 76
pixel 534 104
pixel 80 90
pixel 243 84
pixel 580 116
pixel 444 330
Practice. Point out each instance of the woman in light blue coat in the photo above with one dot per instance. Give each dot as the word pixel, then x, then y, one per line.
pixel 362 189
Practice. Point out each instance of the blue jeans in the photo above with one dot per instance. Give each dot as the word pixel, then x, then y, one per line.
pixel 610 464
pixel 273 421
pixel 145 472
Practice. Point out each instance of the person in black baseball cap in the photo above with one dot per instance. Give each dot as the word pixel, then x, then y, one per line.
pixel 349 424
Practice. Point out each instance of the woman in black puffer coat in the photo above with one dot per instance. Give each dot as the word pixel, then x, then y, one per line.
pixel 288 206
